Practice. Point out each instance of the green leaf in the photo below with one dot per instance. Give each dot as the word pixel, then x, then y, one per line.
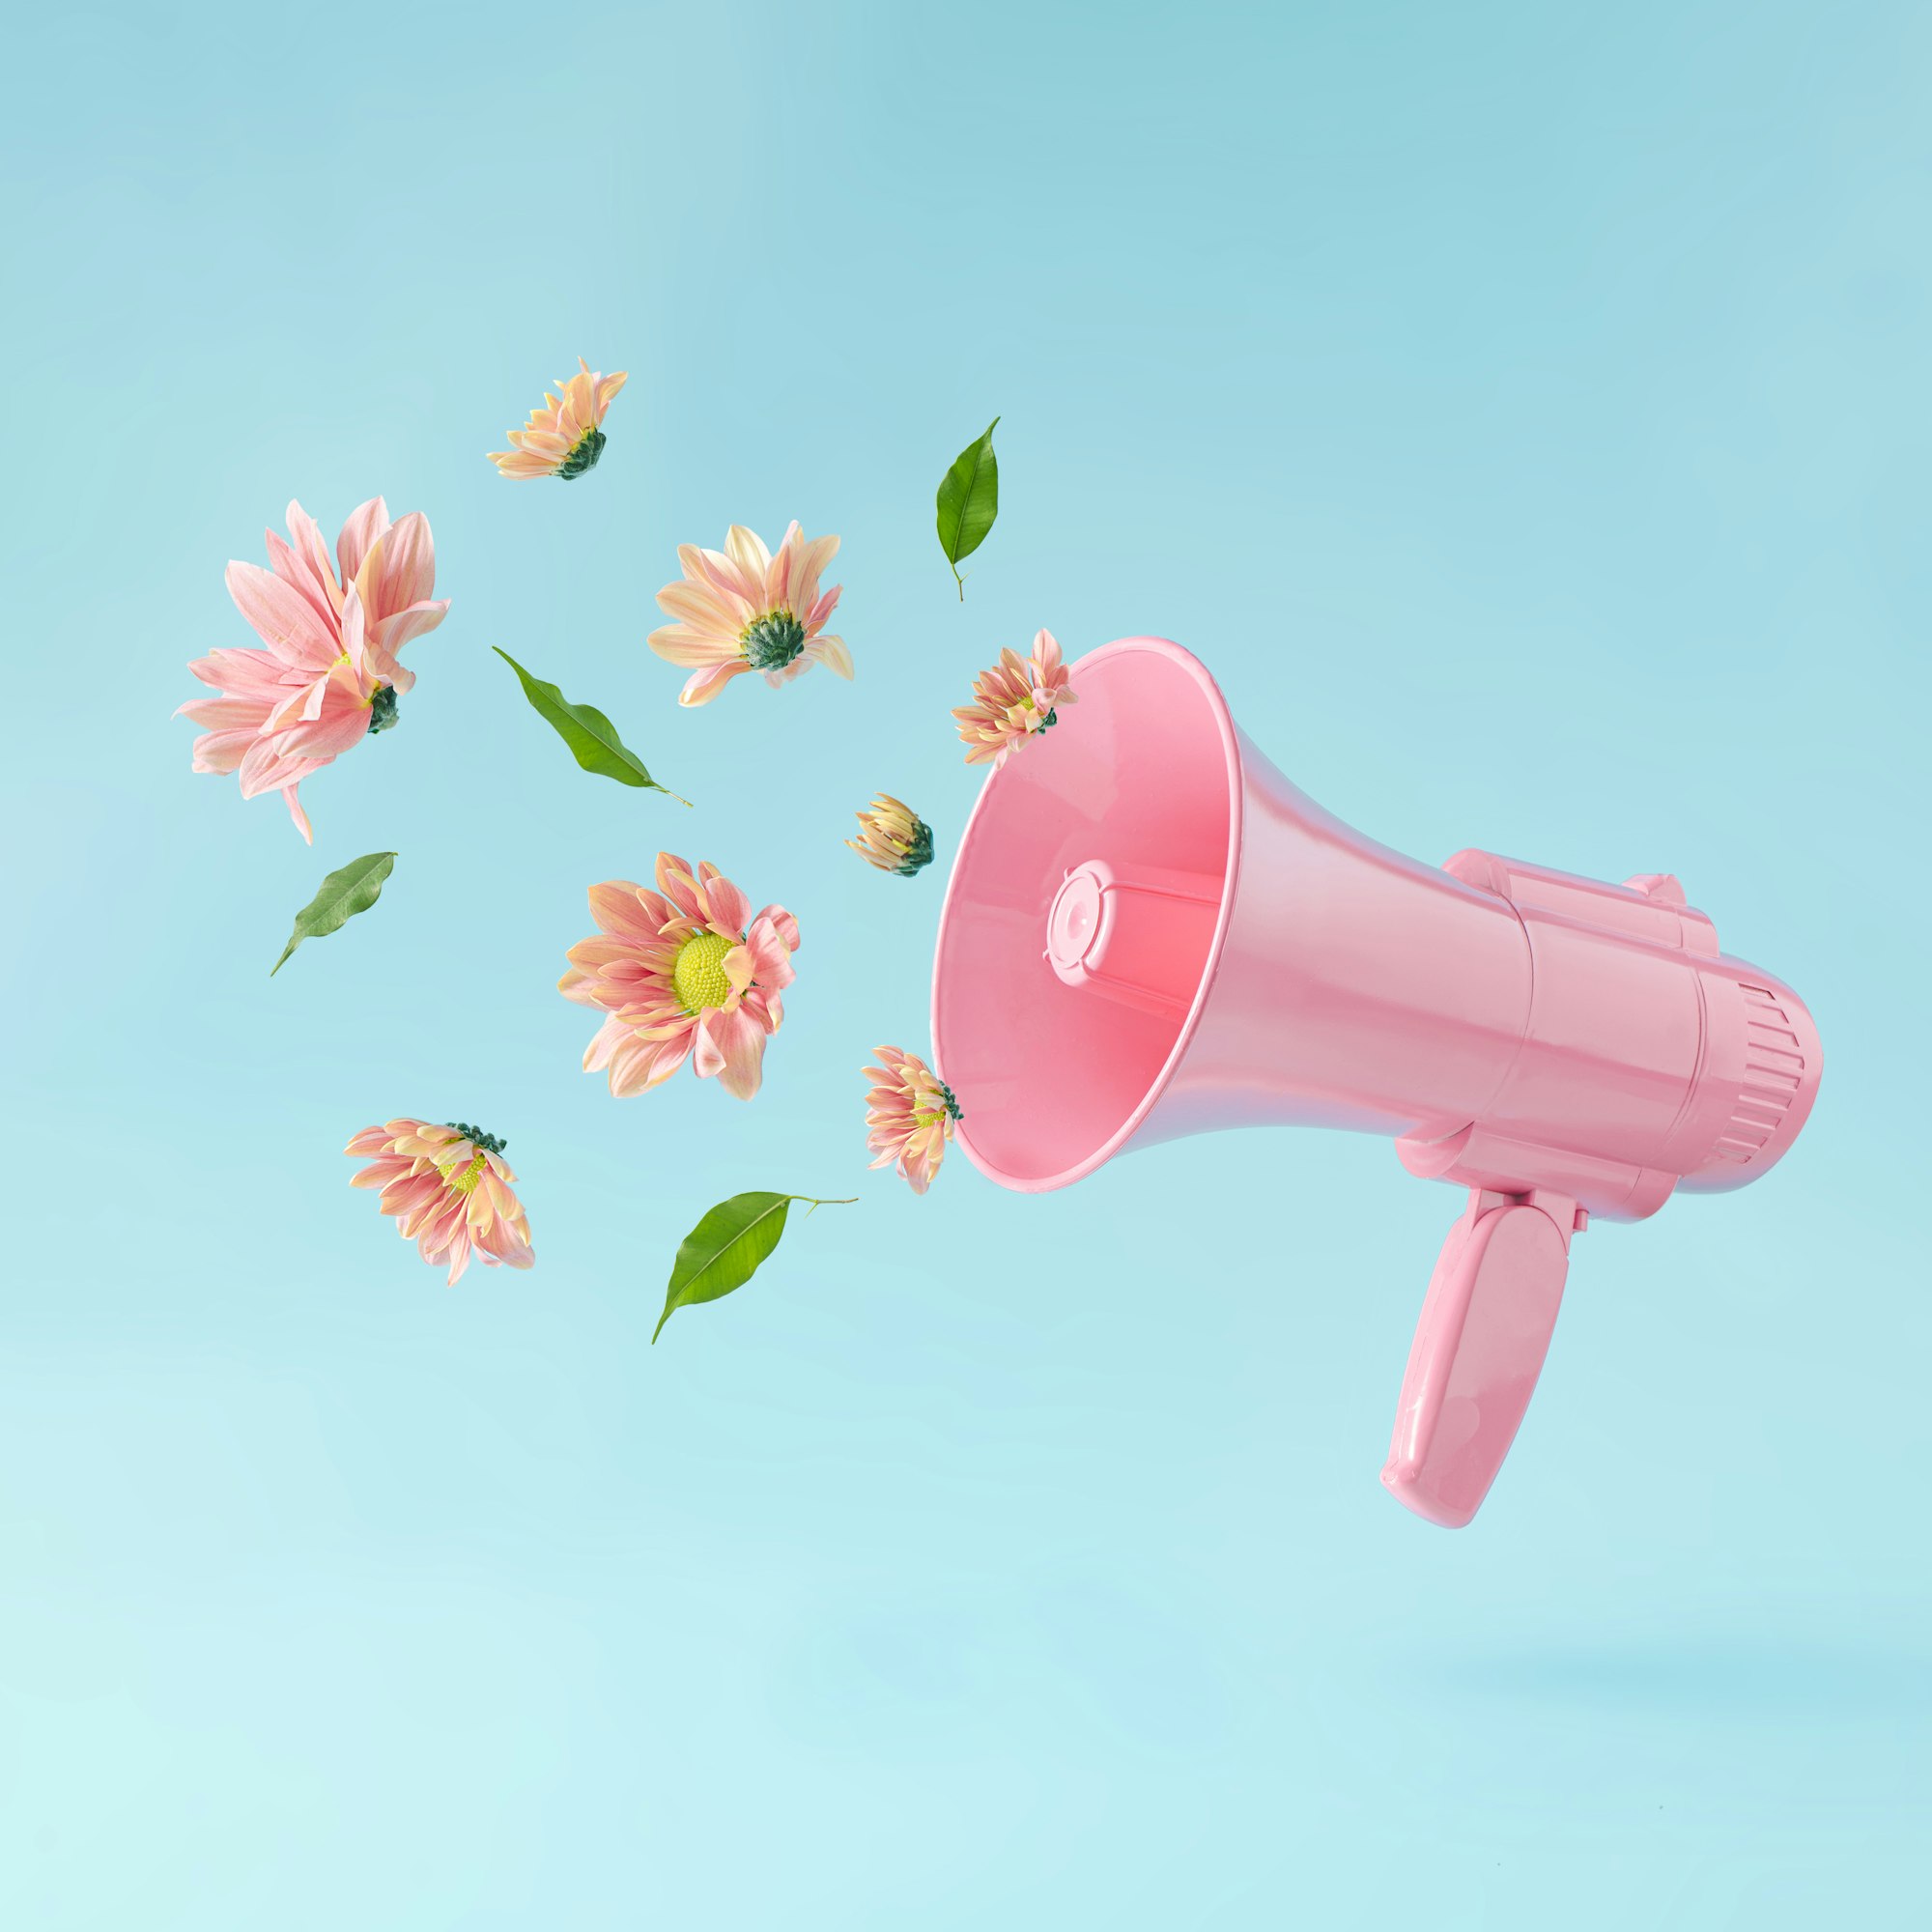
pixel 969 500
pixel 726 1248
pixel 591 736
pixel 355 889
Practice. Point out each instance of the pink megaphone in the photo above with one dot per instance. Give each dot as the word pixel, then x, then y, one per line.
pixel 1150 932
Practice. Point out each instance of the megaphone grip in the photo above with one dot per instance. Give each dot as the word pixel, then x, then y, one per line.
pixel 1479 1347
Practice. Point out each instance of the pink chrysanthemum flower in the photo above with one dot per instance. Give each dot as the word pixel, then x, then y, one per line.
pixel 909 1115
pixel 564 437
pixel 449 1189
pixel 742 608
pixel 1015 700
pixel 331 673
pixel 685 971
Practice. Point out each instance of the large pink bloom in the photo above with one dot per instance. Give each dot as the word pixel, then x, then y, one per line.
pixel 909 1115
pixel 449 1189
pixel 1015 700
pixel 331 672
pixel 742 608
pixel 685 971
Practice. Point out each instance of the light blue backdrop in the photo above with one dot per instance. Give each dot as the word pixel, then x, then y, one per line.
pixel 1523 409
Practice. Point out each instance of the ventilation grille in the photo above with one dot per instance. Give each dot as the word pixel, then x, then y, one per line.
pixel 1774 1069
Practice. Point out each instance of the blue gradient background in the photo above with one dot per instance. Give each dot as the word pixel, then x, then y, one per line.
pixel 1523 409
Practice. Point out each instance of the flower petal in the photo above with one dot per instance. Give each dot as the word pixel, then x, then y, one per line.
pixel 283 618
pixel 705 685
pixel 365 524
pixel 730 1047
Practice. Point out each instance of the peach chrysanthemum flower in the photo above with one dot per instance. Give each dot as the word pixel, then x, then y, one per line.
pixel 893 836
pixel 742 608
pixel 685 971
pixel 564 437
pixel 909 1115
pixel 449 1189
pixel 331 673
pixel 1015 700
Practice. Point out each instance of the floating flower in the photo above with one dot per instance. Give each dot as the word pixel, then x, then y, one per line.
pixel 1015 700
pixel 742 608
pixel 893 836
pixel 449 1189
pixel 330 675
pixel 683 971
pixel 909 1115
pixel 564 437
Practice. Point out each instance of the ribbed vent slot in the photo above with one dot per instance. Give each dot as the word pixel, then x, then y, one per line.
pixel 1774 1069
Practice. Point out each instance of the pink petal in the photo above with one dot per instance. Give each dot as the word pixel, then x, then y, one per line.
pixel 366 523
pixel 706 609
pixel 705 685
pixel 403 627
pixel 296 813
pixel 745 548
pixel 294 570
pixel 730 909
pixel 731 1048
pixel 690 650
pixel 241 672
pixel 306 535
pixel 616 908
pixel 407 572
pixel 679 884
pixel 830 652
pixel 283 618
pixel 787 925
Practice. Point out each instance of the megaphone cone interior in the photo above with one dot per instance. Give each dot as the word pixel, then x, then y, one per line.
pixel 1151 932
pixel 1086 904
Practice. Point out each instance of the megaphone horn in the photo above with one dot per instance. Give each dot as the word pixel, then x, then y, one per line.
pixel 1150 932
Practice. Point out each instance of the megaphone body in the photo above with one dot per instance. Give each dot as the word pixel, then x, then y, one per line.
pixel 1150 932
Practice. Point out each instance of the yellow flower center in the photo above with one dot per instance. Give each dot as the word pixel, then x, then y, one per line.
pixel 698 971
pixel 465 1182
pixel 944 1107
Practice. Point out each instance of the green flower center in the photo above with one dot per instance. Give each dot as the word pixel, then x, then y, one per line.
pixel 589 446
pixel 772 642
pixel 382 709
pixel 918 850
pixel 698 971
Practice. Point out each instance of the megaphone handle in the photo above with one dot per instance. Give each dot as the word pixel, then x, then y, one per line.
pixel 1479 1347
